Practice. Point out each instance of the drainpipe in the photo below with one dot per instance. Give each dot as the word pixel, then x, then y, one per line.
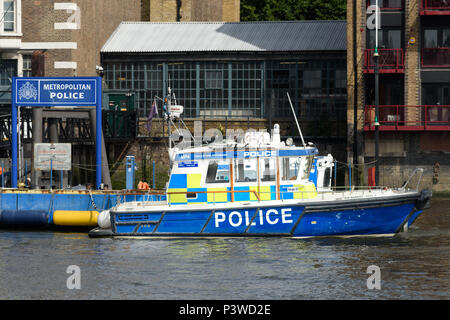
pixel 355 86
pixel 179 10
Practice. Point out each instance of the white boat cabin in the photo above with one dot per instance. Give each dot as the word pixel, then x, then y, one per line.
pixel 260 168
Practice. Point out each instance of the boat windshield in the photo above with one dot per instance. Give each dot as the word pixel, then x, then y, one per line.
pixel 292 167
pixel 218 172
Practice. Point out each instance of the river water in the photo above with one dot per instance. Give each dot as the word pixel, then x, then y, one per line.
pixel 413 265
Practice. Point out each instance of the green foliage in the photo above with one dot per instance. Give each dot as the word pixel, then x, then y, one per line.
pixel 283 10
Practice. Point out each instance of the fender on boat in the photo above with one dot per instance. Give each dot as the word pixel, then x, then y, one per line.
pixel 100 233
pixel 424 200
pixel 104 220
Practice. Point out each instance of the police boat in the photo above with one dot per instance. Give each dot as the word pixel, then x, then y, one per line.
pixel 260 186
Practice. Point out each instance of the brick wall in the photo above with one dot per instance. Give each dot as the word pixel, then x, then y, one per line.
pixel 195 10
pixel 412 60
pixel 231 10
pixel 99 19
pixel 360 30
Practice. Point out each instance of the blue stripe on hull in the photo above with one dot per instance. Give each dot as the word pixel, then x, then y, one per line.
pixel 414 217
pixel 266 221
pixel 379 220
pixel 186 222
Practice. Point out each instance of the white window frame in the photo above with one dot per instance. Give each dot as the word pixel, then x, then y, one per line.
pixel 17 19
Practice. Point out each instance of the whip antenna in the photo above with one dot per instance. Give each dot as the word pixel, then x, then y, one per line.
pixel 295 117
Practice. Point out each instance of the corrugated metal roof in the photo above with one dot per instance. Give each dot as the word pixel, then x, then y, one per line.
pixel 227 36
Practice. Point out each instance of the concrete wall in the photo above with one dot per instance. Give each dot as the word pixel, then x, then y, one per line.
pixel 404 152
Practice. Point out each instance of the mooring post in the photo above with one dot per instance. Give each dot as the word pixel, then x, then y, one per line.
pixel 129 167
pixel 99 133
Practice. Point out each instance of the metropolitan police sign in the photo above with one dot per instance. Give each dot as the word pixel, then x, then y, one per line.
pixel 56 91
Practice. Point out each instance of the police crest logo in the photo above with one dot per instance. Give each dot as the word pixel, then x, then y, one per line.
pixel 28 91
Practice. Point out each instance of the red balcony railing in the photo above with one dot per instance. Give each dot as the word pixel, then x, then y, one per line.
pixel 389 5
pixel 436 57
pixel 435 7
pixel 408 118
pixel 389 61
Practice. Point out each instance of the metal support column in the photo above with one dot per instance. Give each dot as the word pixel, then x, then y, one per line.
pixel 102 163
pixel 377 98
pixel 37 138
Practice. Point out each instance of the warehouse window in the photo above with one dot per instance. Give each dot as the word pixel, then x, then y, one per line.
pixel 213 78
pixel 316 87
pixel 182 77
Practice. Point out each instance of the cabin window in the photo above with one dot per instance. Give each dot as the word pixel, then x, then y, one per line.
pixel 191 195
pixel 267 169
pixel 218 172
pixel 245 170
pixel 308 161
pixel 327 178
pixel 290 167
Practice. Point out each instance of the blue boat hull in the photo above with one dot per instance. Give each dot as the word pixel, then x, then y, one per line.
pixel 315 219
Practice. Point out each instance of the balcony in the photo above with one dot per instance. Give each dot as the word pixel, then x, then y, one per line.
pixel 408 118
pixel 389 61
pixel 387 5
pixel 436 57
pixel 435 7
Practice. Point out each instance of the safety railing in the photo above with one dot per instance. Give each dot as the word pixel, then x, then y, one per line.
pixel 389 60
pixel 164 198
pixel 401 117
pixel 417 170
pixel 436 57
pixel 435 5
pixel 394 5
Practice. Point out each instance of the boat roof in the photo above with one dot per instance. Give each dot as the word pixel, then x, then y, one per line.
pixel 241 151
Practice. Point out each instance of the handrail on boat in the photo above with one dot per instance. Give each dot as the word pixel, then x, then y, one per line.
pixel 402 188
pixel 218 191
pixel 345 190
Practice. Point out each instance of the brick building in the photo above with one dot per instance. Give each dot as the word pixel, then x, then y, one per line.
pixel 414 105
pixel 52 38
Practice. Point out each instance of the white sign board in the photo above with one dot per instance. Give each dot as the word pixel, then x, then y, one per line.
pixel 56 155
